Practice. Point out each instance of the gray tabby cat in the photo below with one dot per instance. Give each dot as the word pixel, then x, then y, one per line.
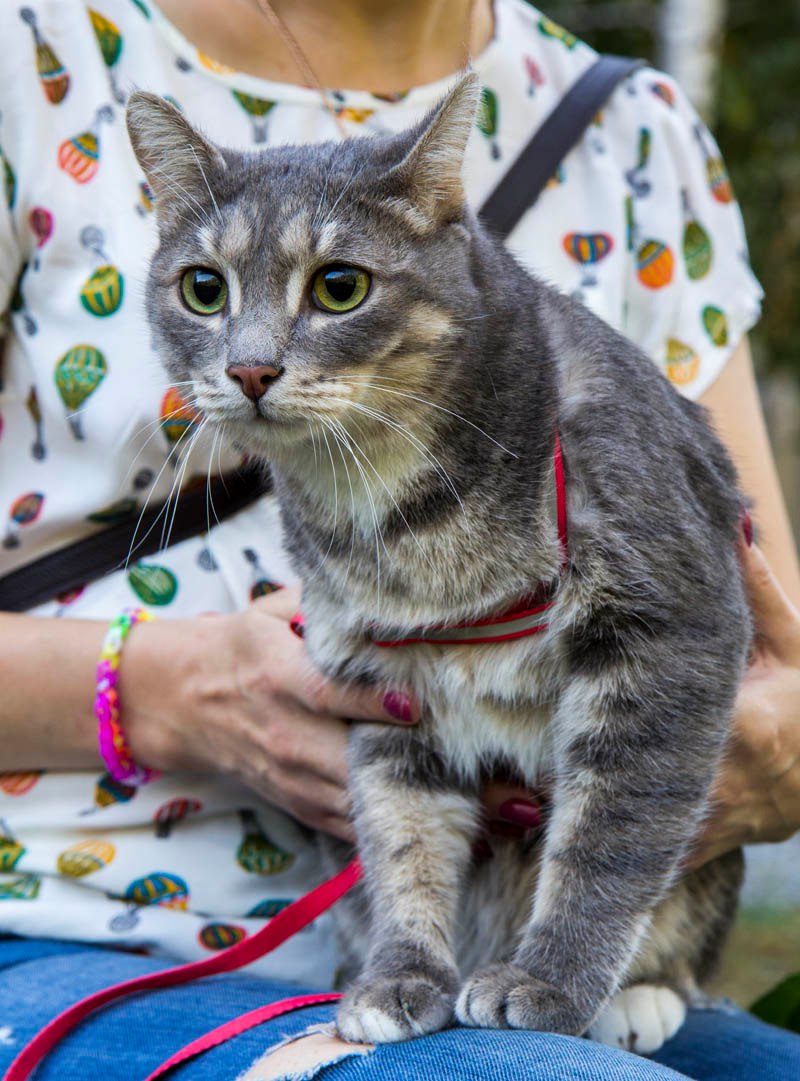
pixel 345 316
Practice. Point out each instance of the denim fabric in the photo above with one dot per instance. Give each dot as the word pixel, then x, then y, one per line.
pixel 126 1041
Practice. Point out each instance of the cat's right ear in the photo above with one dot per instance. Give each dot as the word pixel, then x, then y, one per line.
pixel 177 161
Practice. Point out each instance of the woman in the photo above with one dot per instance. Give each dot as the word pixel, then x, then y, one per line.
pixel 189 862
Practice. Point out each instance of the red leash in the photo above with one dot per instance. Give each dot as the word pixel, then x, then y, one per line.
pixel 286 923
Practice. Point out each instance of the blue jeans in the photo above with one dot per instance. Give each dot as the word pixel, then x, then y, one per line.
pixel 39 978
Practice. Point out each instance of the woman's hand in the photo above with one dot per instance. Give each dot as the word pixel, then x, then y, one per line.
pixel 238 695
pixel 757 793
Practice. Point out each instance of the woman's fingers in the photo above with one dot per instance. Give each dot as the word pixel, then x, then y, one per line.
pixel 777 620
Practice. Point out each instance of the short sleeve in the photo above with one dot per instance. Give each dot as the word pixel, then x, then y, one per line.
pixel 690 293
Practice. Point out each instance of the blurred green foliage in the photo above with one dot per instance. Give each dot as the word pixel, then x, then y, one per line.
pixel 757 124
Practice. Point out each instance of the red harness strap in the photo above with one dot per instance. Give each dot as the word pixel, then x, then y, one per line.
pixel 528 616
pixel 292 919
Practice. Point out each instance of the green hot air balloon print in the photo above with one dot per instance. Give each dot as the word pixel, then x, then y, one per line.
pixel 487 119
pixel 21 888
pixel 256 854
pixel 258 110
pixel 102 292
pixel 78 374
pixel 52 73
pixel 697 247
pixel 553 30
pixel 153 585
pixel 11 851
pixel 9 179
pixel 110 41
pixel 715 323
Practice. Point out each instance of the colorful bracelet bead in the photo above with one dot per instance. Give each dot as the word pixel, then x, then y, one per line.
pixel 114 748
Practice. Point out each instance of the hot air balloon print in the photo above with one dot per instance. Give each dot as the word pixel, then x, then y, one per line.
pixel 210 64
pixel 159 888
pixel 78 374
pixel 38 449
pixel 102 292
pixel 9 179
pixel 534 73
pixel 144 206
pixel 655 264
pixel 177 416
pixel 260 583
pixel 715 323
pixel 110 41
pixel 664 92
pixel 258 110
pixel 630 223
pixel 697 247
pixel 140 4
pixel 52 73
pixel 257 854
pixel 79 156
pixel 487 119
pixel 41 222
pixel 19 307
pixel 269 908
pixel 683 363
pixel 640 187
pixel 122 509
pixel 22 888
pixel 11 851
pixel 153 585
pixel 67 598
pixel 175 810
pixel 18 784
pixel 716 173
pixel 108 792
pixel 553 30
pixel 205 560
pixel 587 250
pixel 24 511
pixel 85 858
pixel 220 936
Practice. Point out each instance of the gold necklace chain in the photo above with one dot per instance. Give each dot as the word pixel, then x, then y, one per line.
pixel 304 65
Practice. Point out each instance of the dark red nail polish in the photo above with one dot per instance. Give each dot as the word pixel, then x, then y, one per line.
pixel 297 625
pixel 522 812
pixel 747 527
pixel 506 829
pixel 398 705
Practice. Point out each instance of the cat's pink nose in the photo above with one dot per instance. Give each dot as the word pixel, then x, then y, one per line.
pixel 253 380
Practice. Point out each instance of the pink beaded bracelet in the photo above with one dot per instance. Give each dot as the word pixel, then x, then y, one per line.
pixel 114 748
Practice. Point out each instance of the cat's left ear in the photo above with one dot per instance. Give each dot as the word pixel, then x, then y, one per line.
pixel 430 172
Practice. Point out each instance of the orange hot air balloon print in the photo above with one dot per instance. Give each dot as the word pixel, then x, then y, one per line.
pixel 79 156
pixel 52 73
pixel 177 416
pixel 24 511
pixel 655 264
pixel 18 784
pixel 683 363
pixel 85 857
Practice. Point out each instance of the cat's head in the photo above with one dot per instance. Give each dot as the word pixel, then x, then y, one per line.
pixel 304 287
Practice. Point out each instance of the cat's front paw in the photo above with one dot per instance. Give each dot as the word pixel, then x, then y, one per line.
pixel 389 1009
pixel 506 996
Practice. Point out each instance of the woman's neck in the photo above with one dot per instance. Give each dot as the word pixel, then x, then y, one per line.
pixel 379 45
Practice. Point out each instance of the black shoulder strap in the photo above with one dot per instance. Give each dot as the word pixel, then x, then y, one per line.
pixel 562 128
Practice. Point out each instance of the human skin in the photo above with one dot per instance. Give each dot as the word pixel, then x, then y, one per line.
pixel 236 694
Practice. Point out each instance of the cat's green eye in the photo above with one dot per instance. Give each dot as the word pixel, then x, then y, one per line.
pixel 339 288
pixel 204 291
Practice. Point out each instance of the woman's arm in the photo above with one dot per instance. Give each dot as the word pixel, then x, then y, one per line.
pixel 736 412
pixel 233 695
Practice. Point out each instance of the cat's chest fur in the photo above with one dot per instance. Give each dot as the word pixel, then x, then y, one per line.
pixel 484 705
